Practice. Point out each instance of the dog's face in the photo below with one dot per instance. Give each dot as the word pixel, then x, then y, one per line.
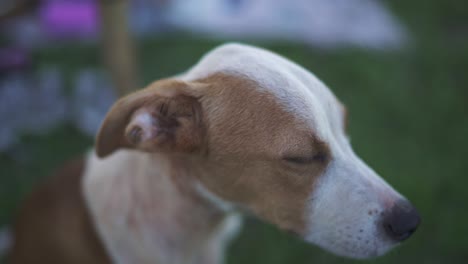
pixel 266 136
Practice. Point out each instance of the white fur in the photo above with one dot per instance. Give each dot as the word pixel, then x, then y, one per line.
pixel 338 218
pixel 145 121
pixel 213 199
pixel 227 231
pixel 339 205
pixel 99 178
pixel 298 90
pixel 137 212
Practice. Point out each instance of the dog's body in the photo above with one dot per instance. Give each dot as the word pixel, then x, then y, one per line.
pixel 160 216
pixel 243 130
pixel 54 225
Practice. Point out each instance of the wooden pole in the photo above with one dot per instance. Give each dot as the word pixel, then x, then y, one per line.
pixel 117 45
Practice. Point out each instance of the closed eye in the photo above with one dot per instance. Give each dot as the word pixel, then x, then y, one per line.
pixel 317 158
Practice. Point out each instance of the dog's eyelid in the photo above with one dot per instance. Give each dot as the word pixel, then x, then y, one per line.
pixel 298 160
pixel 318 157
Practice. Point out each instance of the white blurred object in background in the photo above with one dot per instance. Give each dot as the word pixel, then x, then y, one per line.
pixel 323 23
pixel 326 23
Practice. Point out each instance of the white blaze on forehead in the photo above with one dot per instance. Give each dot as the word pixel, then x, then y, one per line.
pixel 349 197
pixel 296 89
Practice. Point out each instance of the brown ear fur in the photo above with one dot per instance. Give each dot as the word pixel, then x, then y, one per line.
pixel 176 119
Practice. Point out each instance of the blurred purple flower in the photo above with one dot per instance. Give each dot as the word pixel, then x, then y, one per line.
pixel 70 19
pixel 13 59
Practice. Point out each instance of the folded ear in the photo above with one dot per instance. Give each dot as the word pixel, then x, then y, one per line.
pixel 166 116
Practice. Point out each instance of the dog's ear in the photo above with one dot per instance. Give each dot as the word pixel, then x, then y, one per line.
pixel 166 116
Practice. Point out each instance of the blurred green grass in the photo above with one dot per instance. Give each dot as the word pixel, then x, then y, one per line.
pixel 408 113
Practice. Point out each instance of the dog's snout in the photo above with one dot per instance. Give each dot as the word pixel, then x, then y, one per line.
pixel 401 221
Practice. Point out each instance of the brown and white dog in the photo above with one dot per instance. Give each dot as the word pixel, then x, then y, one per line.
pixel 244 130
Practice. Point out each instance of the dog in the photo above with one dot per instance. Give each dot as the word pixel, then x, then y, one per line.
pixel 176 163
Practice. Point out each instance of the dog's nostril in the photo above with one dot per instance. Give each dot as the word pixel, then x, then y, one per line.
pixel 401 221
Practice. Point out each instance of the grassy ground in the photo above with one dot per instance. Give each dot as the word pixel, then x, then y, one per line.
pixel 408 121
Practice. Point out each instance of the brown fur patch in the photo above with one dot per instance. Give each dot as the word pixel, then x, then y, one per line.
pixel 243 134
pixel 249 134
pixel 53 225
pixel 175 115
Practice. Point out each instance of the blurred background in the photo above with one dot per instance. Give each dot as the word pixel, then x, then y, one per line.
pixel 400 66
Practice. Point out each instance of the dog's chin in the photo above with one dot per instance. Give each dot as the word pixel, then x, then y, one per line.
pixel 361 253
pixel 362 249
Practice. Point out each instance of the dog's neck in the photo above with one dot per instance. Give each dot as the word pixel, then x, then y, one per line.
pixel 148 209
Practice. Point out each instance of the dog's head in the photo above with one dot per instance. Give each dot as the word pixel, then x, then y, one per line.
pixel 268 137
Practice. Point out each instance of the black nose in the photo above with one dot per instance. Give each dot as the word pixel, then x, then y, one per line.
pixel 401 221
